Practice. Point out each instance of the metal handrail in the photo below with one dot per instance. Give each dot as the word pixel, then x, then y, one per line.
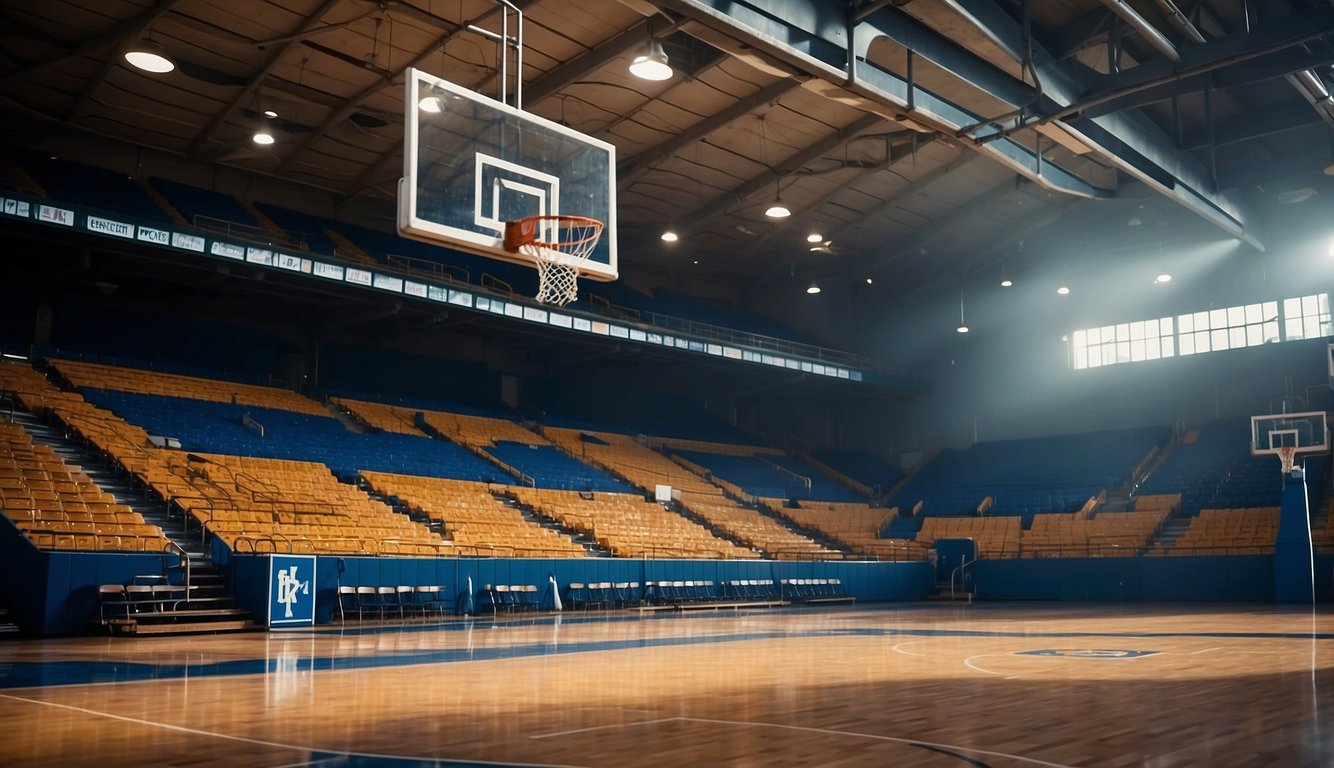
pixel 185 564
pixel 957 572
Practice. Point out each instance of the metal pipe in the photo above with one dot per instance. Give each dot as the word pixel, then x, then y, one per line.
pixel 1141 25
pixel 1180 21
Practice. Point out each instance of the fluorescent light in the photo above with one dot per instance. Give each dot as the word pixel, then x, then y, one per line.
pixel 262 137
pixel 12 356
pixel 813 289
pixel 1063 290
pixel 814 237
pixel 651 63
pixel 669 236
pixel 149 56
pixel 777 210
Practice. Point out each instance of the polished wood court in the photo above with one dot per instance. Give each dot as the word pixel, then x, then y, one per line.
pixel 903 685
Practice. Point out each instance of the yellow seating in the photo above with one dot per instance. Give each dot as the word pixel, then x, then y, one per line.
pixel 82 374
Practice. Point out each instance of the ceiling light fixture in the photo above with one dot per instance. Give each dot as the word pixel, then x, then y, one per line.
pixel 1006 282
pixel 814 237
pixel 270 113
pixel 869 281
pixel 963 327
pixel 430 104
pixel 262 137
pixel 651 63
pixel 1163 277
pixel 1064 290
pixel 669 236
pixel 813 289
pixel 148 55
pixel 777 210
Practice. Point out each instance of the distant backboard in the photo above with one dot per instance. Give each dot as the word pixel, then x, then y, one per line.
pixel 471 163
pixel 1303 432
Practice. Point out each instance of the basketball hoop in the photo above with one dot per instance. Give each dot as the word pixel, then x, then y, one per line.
pixel 1287 454
pixel 572 240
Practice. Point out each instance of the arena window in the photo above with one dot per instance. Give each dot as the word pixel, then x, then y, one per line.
pixel 1123 343
pixel 1247 325
pixel 1306 317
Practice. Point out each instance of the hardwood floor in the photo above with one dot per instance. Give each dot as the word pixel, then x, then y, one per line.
pixel 1012 685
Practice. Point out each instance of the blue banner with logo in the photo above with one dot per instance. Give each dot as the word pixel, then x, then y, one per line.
pixel 291 590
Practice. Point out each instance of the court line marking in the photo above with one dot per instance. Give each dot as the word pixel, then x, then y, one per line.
pixel 968 662
pixel 878 737
pixel 607 727
pixel 279 745
pixel 1206 650
pixel 898 648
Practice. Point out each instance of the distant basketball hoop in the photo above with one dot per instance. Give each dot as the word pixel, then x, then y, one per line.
pixel 1287 454
pixel 559 246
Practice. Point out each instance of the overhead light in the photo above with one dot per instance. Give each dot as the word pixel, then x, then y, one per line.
pixel 1006 283
pixel 869 281
pixel 669 236
pixel 149 56
pixel 651 63
pixel 814 237
pixel 777 210
pixel 813 289
pixel 270 113
pixel 430 104
pixel 696 261
pixel 1064 290
pixel 1163 277
pixel 963 327
pixel 12 356
pixel 1065 337
pixel 262 137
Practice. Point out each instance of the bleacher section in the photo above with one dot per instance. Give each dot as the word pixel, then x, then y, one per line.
pixel 549 468
pixel 1214 468
pixel 1245 531
pixel 1028 477
pixel 629 526
pixel 865 468
pixel 60 508
pixel 473 518
pixel 772 475
pixel 97 188
pixel 96 376
pixel 852 525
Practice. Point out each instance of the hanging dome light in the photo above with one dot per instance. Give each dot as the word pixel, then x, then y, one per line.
pixel 814 237
pixel 1006 283
pixel 1163 277
pixel 813 289
pixel 149 56
pixel 651 63
pixel 430 104
pixel 262 137
pixel 669 236
pixel 1064 290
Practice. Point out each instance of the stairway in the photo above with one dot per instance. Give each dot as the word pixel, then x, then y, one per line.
pixel 589 544
pixel 1167 536
pixel 170 606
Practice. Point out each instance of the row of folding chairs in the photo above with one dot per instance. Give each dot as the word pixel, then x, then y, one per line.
pixel 679 592
pixel 604 594
pixel 400 601
pixel 800 590
pixel 512 597
pixel 751 589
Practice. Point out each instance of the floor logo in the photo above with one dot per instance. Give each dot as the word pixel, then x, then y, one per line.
pixel 1088 653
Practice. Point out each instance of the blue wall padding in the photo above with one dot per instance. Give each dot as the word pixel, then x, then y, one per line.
pixel 1221 578
pixel 1294 578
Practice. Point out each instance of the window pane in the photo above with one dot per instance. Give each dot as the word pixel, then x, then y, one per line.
pixel 1254 335
pixel 1236 337
pixel 1095 357
pixel 1187 323
pixel 1165 326
pixel 1202 341
pixel 1236 315
pixel 1136 331
pixel 1108 333
pixel 1292 308
pixel 1311 327
pixel 1310 305
pixel 1081 358
pixel 1151 350
pixel 1293 327
pixel 1271 310
pixel 1123 332
pixel 1123 352
pixel 1323 300
pixel 1167 346
pixel 1137 349
pixel 1081 338
pixel 1253 313
pixel 1187 343
pixel 1217 318
pixel 1218 339
pixel 1094 336
pixel 1271 332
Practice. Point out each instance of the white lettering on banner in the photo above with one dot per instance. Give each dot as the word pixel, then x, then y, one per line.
pixel 388 283
pixel 358 276
pixel 55 215
pixel 289 587
pixel 414 289
pixel 187 242
pixel 109 227
pixel 228 250
pixel 287 261
pixel 155 236
pixel 331 271
pixel 259 256
pixel 436 293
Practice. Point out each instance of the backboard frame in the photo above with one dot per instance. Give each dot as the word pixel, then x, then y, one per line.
pixel 484 234
pixel 1290 435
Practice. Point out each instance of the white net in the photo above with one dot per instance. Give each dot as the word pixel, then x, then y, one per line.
pixel 558 260
pixel 1287 455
